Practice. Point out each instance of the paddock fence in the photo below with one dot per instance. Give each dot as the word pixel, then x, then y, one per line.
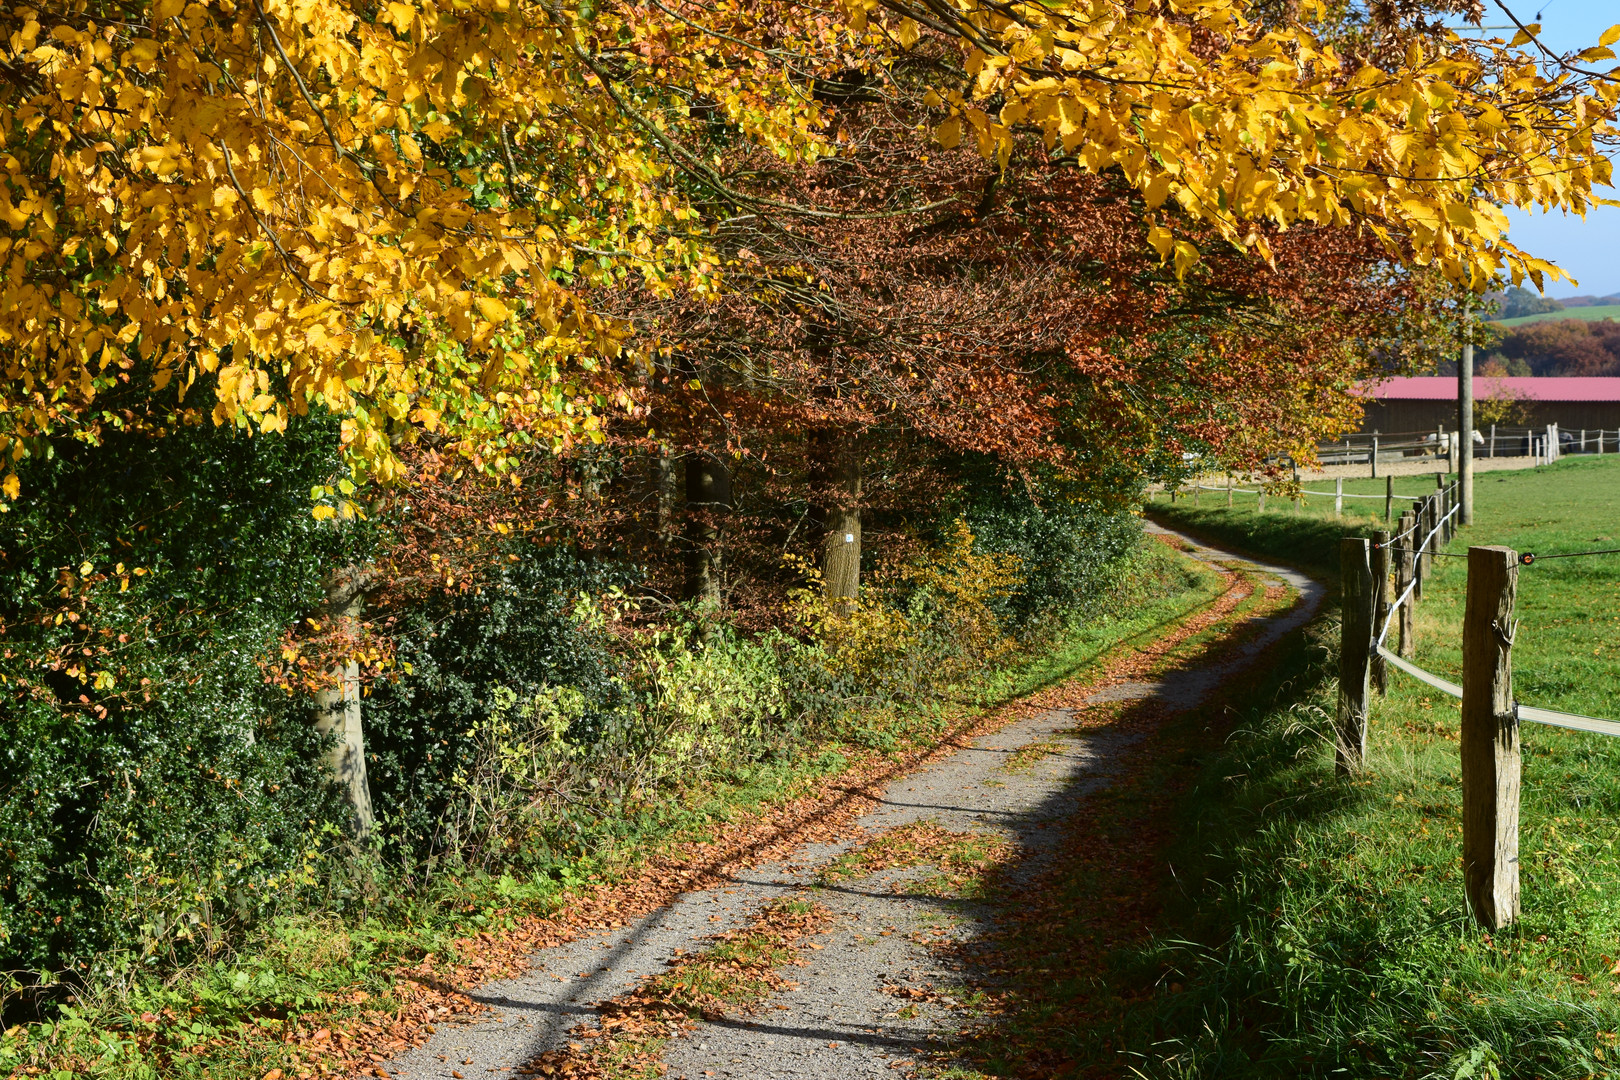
pixel 1382 580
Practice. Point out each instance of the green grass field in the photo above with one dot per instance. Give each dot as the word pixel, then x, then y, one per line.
pixel 1585 314
pixel 1320 925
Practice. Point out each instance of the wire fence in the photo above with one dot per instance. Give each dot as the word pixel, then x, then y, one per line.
pixel 1427 547
pixel 1492 440
pixel 1377 606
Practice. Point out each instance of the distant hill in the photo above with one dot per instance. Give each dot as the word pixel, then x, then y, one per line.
pixel 1608 309
pixel 1559 344
pixel 1589 301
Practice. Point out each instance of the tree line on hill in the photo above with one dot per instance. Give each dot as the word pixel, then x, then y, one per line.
pixel 1556 347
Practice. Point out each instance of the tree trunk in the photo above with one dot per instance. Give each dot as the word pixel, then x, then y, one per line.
pixel 836 488
pixel 663 478
pixel 337 709
pixel 708 497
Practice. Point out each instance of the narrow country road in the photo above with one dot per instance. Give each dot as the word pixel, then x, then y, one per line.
pixel 867 997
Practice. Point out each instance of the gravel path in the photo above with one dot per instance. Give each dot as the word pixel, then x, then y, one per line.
pixel 868 998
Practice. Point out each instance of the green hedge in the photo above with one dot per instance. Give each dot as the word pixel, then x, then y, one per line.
pixel 156 786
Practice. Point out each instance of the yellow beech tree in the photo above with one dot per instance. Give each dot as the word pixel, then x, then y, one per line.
pixel 398 211
pixel 389 210
pixel 1198 105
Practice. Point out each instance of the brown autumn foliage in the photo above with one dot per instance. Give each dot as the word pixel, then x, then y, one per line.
pixel 1565 347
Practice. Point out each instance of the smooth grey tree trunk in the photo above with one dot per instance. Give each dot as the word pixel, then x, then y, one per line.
pixel 836 483
pixel 1465 417
pixel 337 709
pixel 663 478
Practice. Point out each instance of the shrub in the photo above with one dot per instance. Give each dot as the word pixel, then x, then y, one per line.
pixel 517 629
pixel 1068 551
pixel 156 786
pixel 541 762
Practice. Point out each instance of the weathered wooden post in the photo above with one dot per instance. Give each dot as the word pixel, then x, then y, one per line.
pixel 1198 485
pixel 1357 605
pixel 1430 537
pixel 1493 441
pixel 1583 440
pixel 1262 502
pixel 1389 498
pixel 1372 458
pixel 1404 569
pixel 1229 491
pixel 1489 741
pixel 1338 496
pixel 1381 593
pixel 1415 542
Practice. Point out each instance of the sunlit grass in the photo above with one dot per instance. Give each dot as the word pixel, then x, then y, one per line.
pixel 1328 932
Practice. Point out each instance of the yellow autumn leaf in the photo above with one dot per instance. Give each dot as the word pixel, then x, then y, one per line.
pixel 1161 240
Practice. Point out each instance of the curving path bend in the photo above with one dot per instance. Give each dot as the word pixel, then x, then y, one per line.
pixel 845 1017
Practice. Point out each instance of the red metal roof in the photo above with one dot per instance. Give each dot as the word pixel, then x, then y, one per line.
pixel 1533 388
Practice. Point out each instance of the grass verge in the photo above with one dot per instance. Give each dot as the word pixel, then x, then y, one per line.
pixel 625 1040
pixel 1233 909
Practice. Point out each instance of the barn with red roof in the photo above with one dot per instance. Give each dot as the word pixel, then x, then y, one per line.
pixel 1429 402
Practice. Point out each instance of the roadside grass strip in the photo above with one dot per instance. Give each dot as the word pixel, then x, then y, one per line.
pixel 1296 924
pixel 963 859
pixel 743 967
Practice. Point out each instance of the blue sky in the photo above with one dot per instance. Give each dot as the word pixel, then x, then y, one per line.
pixel 1589 249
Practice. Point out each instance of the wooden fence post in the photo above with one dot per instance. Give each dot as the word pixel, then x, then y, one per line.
pixel 1372 458
pixel 1419 513
pixel 1229 491
pixel 1338 497
pixel 1493 441
pixel 1381 593
pixel 1489 741
pixel 1404 565
pixel 1426 553
pixel 1262 507
pixel 1389 498
pixel 1357 605
pixel 1198 485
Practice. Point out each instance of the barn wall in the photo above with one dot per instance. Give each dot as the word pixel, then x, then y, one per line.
pixel 1400 415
